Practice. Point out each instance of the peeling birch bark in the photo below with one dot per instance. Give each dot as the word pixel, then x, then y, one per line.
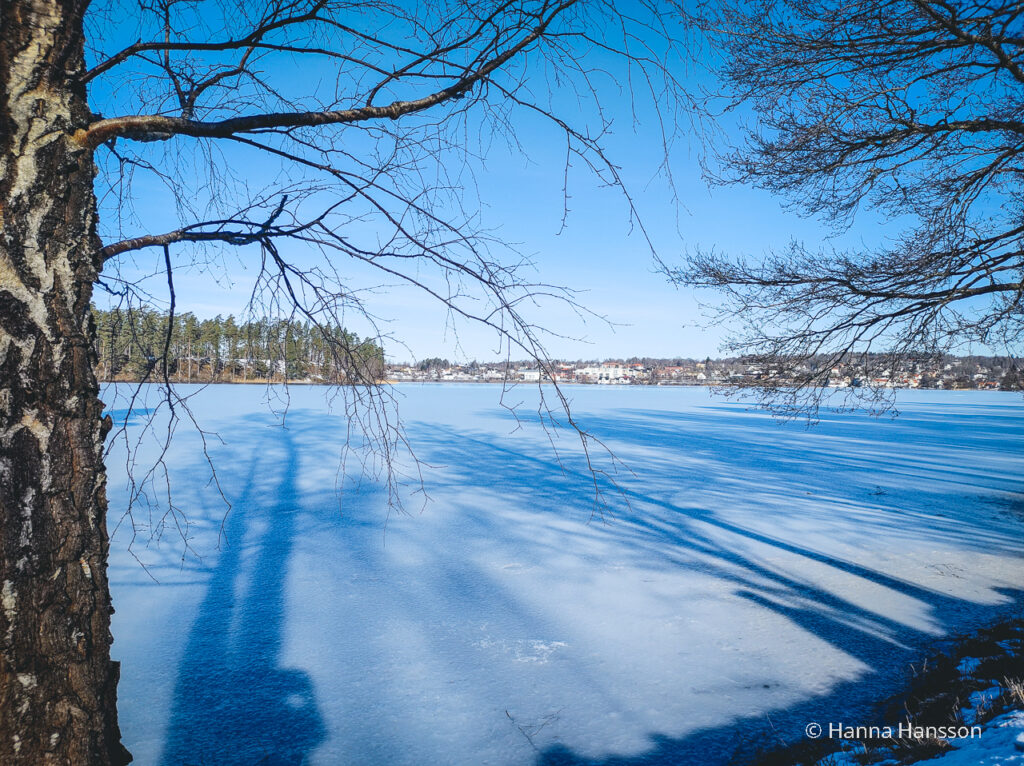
pixel 57 682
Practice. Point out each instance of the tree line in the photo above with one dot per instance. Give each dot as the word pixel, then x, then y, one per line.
pixel 144 344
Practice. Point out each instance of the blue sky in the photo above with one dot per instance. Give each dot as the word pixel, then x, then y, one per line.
pixel 521 203
pixel 596 253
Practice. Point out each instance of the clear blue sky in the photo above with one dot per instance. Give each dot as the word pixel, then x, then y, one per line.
pixel 596 253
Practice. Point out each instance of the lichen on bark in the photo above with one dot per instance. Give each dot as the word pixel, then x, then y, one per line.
pixel 57 682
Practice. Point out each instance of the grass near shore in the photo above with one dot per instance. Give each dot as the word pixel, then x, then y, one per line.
pixel 966 682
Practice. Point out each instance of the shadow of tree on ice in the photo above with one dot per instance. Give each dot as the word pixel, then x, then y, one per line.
pixel 233 702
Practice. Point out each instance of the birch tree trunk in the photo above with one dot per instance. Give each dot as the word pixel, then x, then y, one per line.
pixel 57 682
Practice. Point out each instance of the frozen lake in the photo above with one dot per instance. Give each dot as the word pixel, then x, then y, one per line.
pixel 762 576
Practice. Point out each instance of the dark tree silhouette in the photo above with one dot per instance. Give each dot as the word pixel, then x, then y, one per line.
pixel 912 109
pixel 310 137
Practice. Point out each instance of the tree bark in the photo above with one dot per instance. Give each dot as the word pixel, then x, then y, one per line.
pixel 57 682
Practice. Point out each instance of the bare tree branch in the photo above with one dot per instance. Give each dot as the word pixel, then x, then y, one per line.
pixel 912 109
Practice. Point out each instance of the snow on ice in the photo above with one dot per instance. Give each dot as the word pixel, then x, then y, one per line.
pixel 752 577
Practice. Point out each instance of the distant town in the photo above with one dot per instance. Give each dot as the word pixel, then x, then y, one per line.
pixel 147 344
pixel 946 372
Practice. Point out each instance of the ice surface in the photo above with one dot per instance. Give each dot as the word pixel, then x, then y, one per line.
pixel 761 577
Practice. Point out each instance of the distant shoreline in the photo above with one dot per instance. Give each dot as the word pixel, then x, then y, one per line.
pixel 581 384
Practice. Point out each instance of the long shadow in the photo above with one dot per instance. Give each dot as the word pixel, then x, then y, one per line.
pixel 750 453
pixel 233 701
pixel 236 703
pixel 674 536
